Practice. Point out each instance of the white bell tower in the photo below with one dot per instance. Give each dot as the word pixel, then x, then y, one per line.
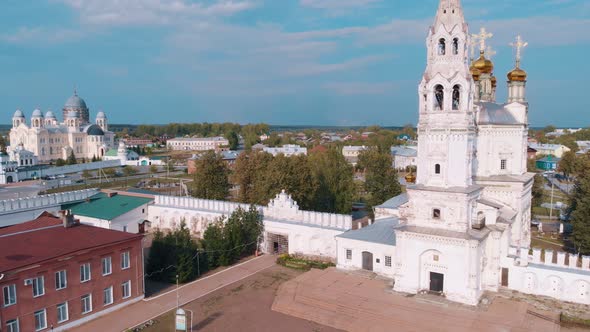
pixel 446 127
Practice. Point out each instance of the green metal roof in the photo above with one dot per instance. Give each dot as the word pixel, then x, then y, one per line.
pixel 111 153
pixel 103 207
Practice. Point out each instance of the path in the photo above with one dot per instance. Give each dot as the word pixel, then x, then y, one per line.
pixel 147 309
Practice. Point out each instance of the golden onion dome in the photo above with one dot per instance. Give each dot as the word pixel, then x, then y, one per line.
pixel 410 178
pixel 476 73
pixel 517 75
pixel 484 65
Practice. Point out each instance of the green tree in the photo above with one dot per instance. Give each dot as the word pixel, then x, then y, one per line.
pixel 60 162
pixel 334 176
pixel 2 144
pixel 211 178
pixel 129 171
pixel 537 190
pixel 71 159
pixel 567 164
pixel 381 180
pixel 233 140
pixel 580 212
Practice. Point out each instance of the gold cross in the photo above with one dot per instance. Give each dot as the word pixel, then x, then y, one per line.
pixel 482 36
pixel 519 45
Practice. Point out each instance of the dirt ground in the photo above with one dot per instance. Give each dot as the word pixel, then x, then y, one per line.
pixel 243 306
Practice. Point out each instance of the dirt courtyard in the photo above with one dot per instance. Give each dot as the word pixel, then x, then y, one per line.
pixel 356 302
pixel 243 306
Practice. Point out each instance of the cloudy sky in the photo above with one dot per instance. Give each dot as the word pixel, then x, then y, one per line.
pixel 321 62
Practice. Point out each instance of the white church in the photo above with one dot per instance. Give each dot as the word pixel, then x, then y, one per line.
pixel 464 227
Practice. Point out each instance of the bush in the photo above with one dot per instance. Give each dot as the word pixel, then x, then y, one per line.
pixel 301 263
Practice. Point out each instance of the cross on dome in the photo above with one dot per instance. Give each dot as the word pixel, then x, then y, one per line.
pixel 519 45
pixel 482 36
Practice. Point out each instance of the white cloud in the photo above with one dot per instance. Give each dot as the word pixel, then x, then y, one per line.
pixel 146 12
pixel 360 88
pixel 41 35
pixel 336 4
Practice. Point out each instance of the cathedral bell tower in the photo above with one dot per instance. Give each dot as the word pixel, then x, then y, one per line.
pixel 446 127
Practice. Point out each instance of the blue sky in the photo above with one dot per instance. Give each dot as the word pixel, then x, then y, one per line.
pixel 321 62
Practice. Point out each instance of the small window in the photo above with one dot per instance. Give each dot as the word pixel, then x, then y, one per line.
pixel 40 320
pixel 86 303
pixel 348 254
pixel 38 286
pixel 12 325
pixel 455 46
pixel 85 272
pixel 436 213
pixel 437 169
pixel 107 296
pixel 388 261
pixel 126 289
pixel 503 164
pixel 125 229
pixel 62 312
pixel 377 260
pixel 9 293
pixel 125 260
pixel 106 266
pixel 61 280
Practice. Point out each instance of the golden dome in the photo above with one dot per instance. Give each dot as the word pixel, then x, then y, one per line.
pixel 410 178
pixel 484 65
pixel 517 75
pixel 476 73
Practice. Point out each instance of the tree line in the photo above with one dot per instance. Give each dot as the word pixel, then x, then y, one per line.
pixel 322 181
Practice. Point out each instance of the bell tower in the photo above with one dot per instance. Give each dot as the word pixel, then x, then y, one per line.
pixel 446 127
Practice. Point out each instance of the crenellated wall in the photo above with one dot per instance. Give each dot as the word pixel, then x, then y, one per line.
pixel 559 275
pixel 14 211
pixel 308 232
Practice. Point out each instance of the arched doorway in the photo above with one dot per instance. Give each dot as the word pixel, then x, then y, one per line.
pixel 9 179
pixel 367 261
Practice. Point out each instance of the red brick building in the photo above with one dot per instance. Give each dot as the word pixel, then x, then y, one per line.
pixel 57 273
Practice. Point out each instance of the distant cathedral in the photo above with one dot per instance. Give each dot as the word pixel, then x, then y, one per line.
pixel 49 139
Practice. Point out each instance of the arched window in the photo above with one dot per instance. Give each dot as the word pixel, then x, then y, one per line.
pixel 436 214
pixel 455 46
pixel 437 169
pixel 439 97
pixel 442 47
pixel 456 97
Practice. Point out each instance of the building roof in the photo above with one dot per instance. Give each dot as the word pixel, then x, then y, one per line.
pixel 381 231
pixel 103 207
pixel 497 114
pixel 75 102
pixel 93 130
pixel 395 202
pixel 549 159
pixel 403 151
pixel 538 147
pixel 46 238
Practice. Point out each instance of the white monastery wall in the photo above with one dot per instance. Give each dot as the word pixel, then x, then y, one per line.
pixel 14 211
pixel 379 251
pixel 308 233
pixel 568 279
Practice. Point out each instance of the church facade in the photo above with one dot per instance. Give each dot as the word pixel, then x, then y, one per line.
pixel 48 139
pixel 464 227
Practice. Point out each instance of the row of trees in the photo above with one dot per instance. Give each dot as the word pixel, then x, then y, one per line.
pixel 224 242
pixel 322 181
pixel 579 208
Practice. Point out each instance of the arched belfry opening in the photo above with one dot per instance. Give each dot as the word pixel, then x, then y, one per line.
pixel 456 97
pixel 442 47
pixel 439 97
pixel 455 46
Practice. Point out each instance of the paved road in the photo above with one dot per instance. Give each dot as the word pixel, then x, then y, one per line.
pixel 150 308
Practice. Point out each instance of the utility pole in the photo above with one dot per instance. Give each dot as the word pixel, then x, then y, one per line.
pixel 551 206
pixel 177 295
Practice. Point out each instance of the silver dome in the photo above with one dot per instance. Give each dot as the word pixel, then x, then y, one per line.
pixel 75 102
pixel 18 114
pixel 37 113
